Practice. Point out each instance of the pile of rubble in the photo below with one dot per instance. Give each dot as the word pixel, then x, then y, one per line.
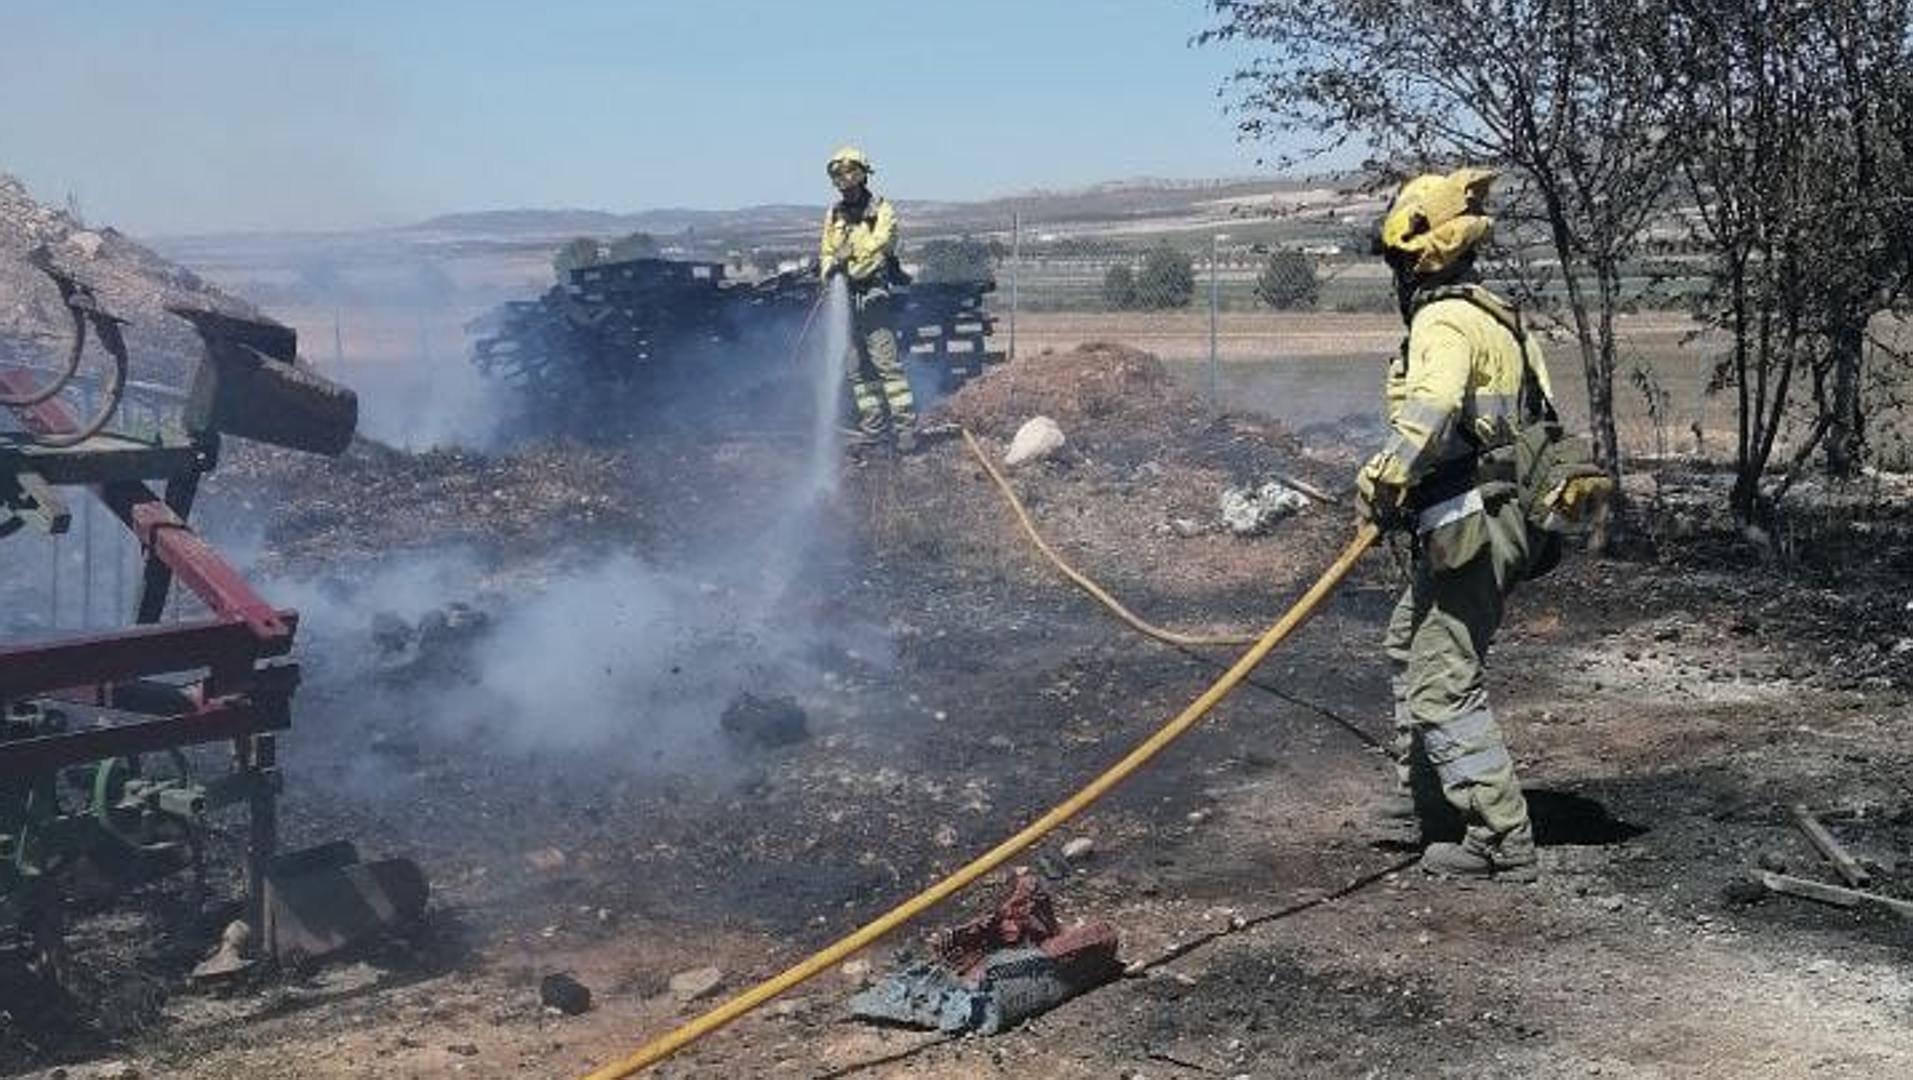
pixel 1129 473
pixel 133 283
pixel 376 500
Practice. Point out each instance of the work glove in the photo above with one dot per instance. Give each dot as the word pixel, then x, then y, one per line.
pixel 1382 502
pixel 833 268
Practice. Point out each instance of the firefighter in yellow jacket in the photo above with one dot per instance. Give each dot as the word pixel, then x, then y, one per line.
pixel 1466 382
pixel 860 243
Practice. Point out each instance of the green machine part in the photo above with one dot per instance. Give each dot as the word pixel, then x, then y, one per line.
pixel 116 807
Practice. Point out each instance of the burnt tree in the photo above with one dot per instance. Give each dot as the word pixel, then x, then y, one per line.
pixel 1566 95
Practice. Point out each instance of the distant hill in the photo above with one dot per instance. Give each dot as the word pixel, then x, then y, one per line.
pixel 528 223
pixel 1112 200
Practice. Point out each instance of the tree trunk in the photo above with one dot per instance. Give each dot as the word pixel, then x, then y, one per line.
pixel 1596 363
pixel 1846 431
pixel 1600 374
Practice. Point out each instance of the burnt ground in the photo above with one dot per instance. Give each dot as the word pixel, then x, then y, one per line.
pixel 1665 706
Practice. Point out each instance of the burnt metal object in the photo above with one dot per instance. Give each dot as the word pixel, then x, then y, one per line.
pixel 250 387
pixel 1027 916
pixel 996 971
pixel 322 900
pixel 85 310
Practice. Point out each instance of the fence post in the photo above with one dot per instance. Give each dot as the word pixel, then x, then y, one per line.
pixel 53 585
pixel 1215 394
pixel 1016 261
pixel 87 396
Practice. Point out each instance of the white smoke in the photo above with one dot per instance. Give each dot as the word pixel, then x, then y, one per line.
pixel 831 338
pixel 630 661
pixel 627 661
pixel 433 400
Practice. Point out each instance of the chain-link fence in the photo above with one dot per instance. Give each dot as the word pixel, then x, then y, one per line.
pixel 92 567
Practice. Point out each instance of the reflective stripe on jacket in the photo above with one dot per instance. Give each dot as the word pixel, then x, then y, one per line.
pixel 861 238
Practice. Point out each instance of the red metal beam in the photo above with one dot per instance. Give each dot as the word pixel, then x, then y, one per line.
pixel 221 719
pixel 119 655
pixel 160 531
pixel 192 560
pixel 46 418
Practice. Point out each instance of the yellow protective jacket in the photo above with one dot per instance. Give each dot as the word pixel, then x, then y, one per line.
pixel 1453 393
pixel 863 239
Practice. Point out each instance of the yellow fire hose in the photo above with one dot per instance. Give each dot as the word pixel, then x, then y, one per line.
pixel 1082 582
pixel 670 1043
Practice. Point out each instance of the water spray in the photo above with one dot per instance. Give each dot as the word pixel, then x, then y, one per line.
pixel 824 463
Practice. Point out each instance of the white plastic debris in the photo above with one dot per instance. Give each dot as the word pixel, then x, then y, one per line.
pixel 1250 511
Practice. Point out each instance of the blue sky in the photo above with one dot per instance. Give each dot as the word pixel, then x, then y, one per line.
pixel 202 115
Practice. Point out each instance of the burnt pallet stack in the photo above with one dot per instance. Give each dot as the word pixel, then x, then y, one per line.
pixel 944 325
pixel 608 324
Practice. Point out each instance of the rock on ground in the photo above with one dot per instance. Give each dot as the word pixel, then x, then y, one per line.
pixel 1038 438
pixel 696 983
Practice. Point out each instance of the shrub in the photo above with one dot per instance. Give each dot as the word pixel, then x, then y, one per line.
pixel 1119 287
pixel 1288 282
pixel 1167 279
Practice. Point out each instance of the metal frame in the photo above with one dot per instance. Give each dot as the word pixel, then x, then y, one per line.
pixel 226 680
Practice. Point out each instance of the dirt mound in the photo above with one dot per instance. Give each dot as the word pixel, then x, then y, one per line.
pixel 1098 383
pixel 1133 497
pixel 132 282
pixel 1120 405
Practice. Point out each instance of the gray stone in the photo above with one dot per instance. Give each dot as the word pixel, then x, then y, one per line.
pixel 696 983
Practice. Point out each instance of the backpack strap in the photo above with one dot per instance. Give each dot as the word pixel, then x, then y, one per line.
pixel 1536 406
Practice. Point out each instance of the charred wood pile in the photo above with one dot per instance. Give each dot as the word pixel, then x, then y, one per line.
pixel 602 339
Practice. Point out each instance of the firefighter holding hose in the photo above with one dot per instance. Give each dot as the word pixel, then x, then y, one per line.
pixel 860 243
pixel 1466 384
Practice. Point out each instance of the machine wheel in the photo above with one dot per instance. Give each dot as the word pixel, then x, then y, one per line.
pixel 153 834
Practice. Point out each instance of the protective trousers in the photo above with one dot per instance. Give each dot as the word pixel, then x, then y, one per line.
pixel 1437 641
pixel 877 380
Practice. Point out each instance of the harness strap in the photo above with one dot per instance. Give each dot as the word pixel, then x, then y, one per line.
pixel 1536 406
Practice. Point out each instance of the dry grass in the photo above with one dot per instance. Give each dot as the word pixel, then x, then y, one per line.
pixel 1305 368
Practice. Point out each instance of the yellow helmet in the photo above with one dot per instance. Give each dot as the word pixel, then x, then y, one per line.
pixel 1438 218
pixel 848 157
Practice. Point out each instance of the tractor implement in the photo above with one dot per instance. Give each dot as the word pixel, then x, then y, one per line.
pixel 95 725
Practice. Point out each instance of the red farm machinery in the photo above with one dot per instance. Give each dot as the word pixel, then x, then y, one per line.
pixel 101 726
